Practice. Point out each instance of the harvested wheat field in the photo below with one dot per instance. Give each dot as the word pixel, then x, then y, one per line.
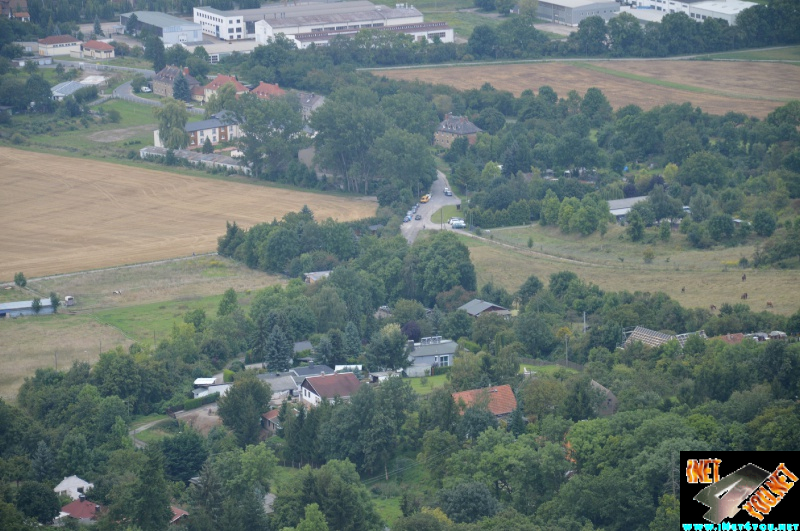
pixel 752 88
pixel 64 214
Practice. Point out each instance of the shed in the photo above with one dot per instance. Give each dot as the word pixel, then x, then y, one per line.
pixel 619 208
pixel 477 307
pixel 21 308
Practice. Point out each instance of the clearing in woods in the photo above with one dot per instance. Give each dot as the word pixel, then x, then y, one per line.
pixel 715 87
pixel 65 214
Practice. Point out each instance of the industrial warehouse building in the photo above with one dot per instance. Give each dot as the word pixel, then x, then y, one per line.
pixel 21 308
pixel 171 30
pixel 699 10
pixel 571 12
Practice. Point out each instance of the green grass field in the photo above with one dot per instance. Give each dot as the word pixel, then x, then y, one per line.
pixel 789 53
pixel 464 23
pixel 431 383
pixel 447 212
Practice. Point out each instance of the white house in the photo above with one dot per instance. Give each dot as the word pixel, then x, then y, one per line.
pixel 315 389
pixel 73 487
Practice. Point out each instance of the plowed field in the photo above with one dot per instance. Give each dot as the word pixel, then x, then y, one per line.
pixel 64 214
pixel 716 87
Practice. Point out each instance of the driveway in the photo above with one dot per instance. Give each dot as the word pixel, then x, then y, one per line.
pixel 438 200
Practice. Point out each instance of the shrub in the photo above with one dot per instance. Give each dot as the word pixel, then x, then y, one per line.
pixel 227 375
pixel 193 403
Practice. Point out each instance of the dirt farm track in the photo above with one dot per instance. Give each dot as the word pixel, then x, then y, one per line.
pixel 717 87
pixel 63 214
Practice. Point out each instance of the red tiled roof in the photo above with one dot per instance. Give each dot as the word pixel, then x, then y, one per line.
pixel 266 91
pixel 99 46
pixel 80 509
pixel 272 414
pixel 58 39
pixel 501 398
pixel 22 14
pixel 344 384
pixel 177 514
pixel 221 80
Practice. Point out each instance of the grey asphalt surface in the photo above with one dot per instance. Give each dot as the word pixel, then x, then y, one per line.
pixel 438 200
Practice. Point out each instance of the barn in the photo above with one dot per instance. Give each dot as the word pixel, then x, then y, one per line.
pixel 20 308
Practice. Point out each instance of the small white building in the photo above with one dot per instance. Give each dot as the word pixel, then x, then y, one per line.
pixel 74 487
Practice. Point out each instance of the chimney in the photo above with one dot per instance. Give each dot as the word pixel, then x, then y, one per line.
pixel 82 497
pixel 185 70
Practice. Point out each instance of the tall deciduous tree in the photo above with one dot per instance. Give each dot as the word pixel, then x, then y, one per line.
pixel 272 132
pixel 151 509
pixel 387 349
pixel 172 118
pixel 37 500
pixel 242 407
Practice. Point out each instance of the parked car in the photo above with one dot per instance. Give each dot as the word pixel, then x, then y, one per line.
pixel 425 198
pixel 406 219
pixel 454 220
pixel 447 191
pixel 459 225
pixel 418 217
pixel 146 89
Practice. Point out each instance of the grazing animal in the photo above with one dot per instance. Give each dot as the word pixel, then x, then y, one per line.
pixel 744 296
pixel 683 289
pixel 117 292
pixel 712 308
pixel 744 277
pixel 769 304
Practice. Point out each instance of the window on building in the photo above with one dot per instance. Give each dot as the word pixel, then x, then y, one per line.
pixel 444 361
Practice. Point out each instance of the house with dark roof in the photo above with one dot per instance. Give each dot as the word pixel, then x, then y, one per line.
pixel 221 127
pixel 430 353
pixel 499 400
pixel 59 45
pixel 453 127
pixel 477 307
pixel 267 91
pixel 283 384
pixel 311 370
pixel 309 102
pixel 164 80
pixel 97 50
pixel 220 81
pixel 315 389
pixel 66 88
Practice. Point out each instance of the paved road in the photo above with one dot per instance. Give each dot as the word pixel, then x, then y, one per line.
pixel 438 200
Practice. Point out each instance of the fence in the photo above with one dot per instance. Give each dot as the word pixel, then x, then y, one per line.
pixel 541 363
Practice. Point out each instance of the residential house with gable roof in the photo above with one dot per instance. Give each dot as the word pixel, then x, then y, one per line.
pixel 221 127
pixel 453 127
pixel 97 50
pixel 220 81
pixel 73 486
pixel 164 80
pixel 315 389
pixel 82 510
pixel 500 399
pixel 430 353
pixel 478 307
pixel 267 91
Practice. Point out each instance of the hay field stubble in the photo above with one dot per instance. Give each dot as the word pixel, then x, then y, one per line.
pixel 64 214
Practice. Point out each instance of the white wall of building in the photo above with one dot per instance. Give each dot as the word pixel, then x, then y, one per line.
pixel 726 10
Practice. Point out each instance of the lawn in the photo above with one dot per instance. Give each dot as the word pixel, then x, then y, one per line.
pixel 447 212
pixel 788 53
pixel 431 383
pixel 463 23
pixel 615 264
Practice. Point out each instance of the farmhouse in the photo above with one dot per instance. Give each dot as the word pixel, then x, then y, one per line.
pixel 315 389
pixel 500 399
pixel 171 30
pixel 571 12
pixel 59 45
pixel 73 486
pixel 619 208
pixel 477 307
pixel 453 127
pixel 97 50
pixel 164 80
pixel 20 308
pixel 430 353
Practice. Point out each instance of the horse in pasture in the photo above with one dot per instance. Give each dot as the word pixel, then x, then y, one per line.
pixel 769 304
pixel 744 296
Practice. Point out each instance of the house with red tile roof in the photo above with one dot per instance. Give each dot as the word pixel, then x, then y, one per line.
pixel 177 514
pixel 270 422
pixel 81 509
pixel 59 45
pixel 266 91
pixel 219 82
pixel 500 399
pixel 97 50
pixel 315 389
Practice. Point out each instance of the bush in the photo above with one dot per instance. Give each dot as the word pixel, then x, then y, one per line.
pixel 18 139
pixel 193 403
pixel 227 375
